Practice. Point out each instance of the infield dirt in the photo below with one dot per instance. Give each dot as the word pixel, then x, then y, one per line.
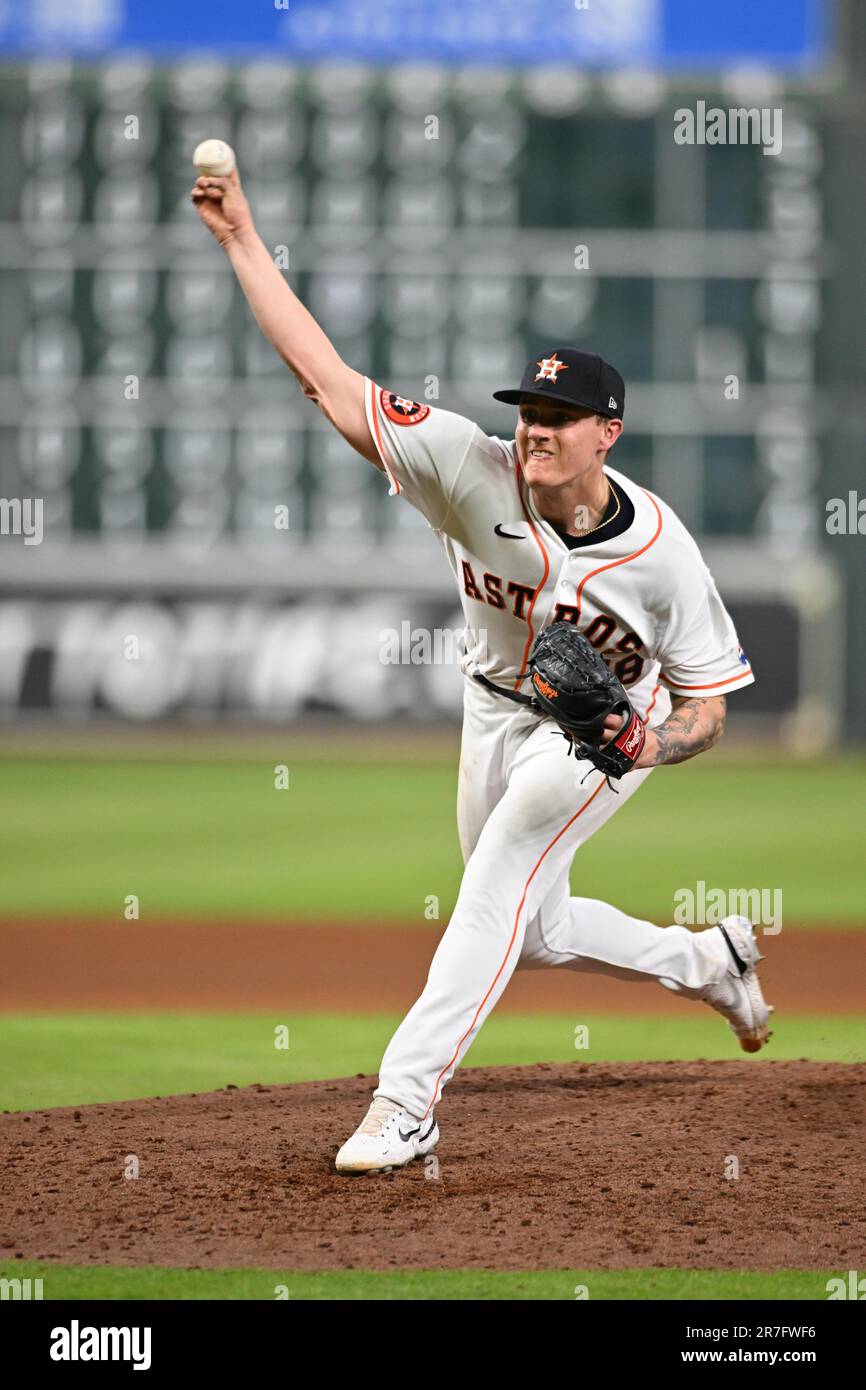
pixel 85 964
pixel 725 1165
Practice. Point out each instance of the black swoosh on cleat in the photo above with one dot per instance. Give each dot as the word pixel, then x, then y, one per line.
pixel 742 965
pixel 506 535
pixel 406 1137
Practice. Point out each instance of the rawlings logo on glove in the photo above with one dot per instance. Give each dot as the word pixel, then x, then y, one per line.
pixel 632 741
pixel 573 685
pixel 543 688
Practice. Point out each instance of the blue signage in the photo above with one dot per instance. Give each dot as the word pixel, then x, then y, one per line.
pixel 684 35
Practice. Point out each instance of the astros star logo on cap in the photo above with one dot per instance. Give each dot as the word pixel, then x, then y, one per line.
pixel 549 367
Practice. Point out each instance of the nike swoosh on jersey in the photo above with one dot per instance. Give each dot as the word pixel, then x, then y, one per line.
pixel 507 535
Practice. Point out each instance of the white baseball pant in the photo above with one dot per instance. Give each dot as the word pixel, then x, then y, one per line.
pixel 524 807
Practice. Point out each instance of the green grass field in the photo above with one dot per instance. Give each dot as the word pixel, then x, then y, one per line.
pixel 99 1282
pixel 369 842
pixel 81 1059
pixel 366 838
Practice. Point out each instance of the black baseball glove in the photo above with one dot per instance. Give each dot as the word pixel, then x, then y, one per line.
pixel 571 682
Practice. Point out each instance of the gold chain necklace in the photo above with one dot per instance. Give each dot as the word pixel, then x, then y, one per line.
pixel 601 524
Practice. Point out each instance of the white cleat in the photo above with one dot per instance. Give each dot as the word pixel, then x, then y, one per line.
pixel 388 1137
pixel 738 995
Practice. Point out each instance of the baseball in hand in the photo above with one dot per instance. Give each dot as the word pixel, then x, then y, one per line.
pixel 214 157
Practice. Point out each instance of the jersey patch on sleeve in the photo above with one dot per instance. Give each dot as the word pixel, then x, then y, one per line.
pixel 401 410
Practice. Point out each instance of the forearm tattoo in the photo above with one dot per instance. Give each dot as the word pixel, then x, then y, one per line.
pixel 692 727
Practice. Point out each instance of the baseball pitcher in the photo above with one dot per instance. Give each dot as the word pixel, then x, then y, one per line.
pixel 596 648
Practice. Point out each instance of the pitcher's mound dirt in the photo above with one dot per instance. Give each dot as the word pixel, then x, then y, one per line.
pixel 579 1166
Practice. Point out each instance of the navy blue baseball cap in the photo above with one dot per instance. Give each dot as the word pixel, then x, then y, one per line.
pixel 573 378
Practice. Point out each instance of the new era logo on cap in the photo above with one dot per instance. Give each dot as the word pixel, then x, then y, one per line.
pixel 572 377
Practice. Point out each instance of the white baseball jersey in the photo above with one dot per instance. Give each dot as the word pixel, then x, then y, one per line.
pixel 642 595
